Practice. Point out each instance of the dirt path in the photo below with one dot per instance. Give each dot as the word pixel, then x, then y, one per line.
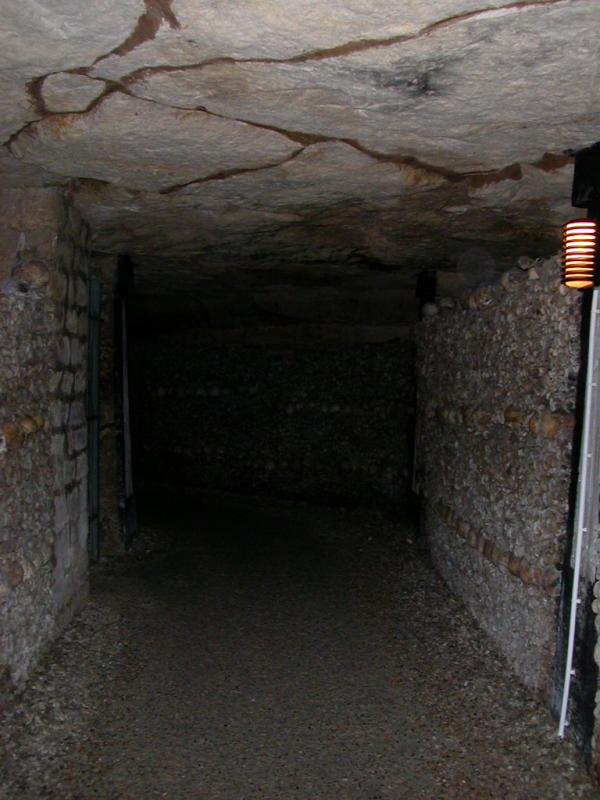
pixel 262 650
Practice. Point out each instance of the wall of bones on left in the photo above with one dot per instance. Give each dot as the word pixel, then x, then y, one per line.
pixel 44 269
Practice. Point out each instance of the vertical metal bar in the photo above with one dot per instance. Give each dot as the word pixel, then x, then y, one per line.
pixel 126 420
pixel 130 515
pixel 93 418
pixel 586 486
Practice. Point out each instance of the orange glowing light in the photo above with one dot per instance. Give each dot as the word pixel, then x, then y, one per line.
pixel 579 253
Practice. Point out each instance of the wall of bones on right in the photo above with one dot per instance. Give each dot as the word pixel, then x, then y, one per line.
pixel 497 378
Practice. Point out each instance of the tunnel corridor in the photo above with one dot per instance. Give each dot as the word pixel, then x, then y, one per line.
pixel 331 556
pixel 254 648
pixel 299 399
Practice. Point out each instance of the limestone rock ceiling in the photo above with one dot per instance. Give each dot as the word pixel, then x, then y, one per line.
pixel 348 136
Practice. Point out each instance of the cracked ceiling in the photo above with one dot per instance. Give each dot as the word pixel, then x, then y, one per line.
pixel 311 141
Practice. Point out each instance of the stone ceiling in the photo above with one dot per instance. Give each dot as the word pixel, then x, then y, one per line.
pixel 304 140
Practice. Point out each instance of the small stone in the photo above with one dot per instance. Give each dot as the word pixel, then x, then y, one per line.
pixel 467 415
pixel 525 262
pixel 484 296
pixel 481 417
pixel 549 425
pixel 77 413
pixel 430 310
pixel 13 572
pixel 13 435
pixel 446 302
pixel 35 274
pixel 8 287
pixel 513 416
pixel 77 352
pixel 66 384
pixel 514 565
pixel 28 425
pixel 81 293
pixel 550 581
pixel 488 549
pixel 526 574
pixel 57 445
pixel 64 351
pixel 5 586
pixel 59 286
pixel 72 323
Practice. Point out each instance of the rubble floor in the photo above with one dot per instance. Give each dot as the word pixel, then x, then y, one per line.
pixel 253 648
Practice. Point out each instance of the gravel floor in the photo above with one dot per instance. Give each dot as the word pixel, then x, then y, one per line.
pixel 259 649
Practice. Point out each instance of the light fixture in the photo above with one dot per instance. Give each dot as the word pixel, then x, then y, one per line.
pixel 580 271
pixel 580 253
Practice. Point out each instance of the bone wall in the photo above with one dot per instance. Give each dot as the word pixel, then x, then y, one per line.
pixel 43 462
pixel 497 382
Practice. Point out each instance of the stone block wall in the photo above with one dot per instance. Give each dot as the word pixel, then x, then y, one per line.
pixel 332 424
pixel 43 463
pixel 497 382
pixel 69 426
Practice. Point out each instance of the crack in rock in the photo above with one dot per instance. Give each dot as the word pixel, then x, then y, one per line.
pixel 157 12
pixel 231 173
pixel 549 162
pixel 352 47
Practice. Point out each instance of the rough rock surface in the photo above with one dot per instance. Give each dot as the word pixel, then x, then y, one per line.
pixel 171 146
pixel 391 127
pixel 409 98
pixel 39 38
pixel 273 30
pixel 69 91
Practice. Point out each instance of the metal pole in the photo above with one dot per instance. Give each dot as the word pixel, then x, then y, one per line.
pixel 583 489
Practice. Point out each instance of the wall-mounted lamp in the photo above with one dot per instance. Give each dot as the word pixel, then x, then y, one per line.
pixel 580 270
pixel 580 254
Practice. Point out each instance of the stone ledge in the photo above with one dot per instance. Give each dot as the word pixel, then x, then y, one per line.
pixel 529 574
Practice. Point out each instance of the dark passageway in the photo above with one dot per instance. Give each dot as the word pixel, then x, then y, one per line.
pixel 264 649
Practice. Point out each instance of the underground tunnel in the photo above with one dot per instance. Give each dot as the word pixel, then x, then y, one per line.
pixel 299 469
